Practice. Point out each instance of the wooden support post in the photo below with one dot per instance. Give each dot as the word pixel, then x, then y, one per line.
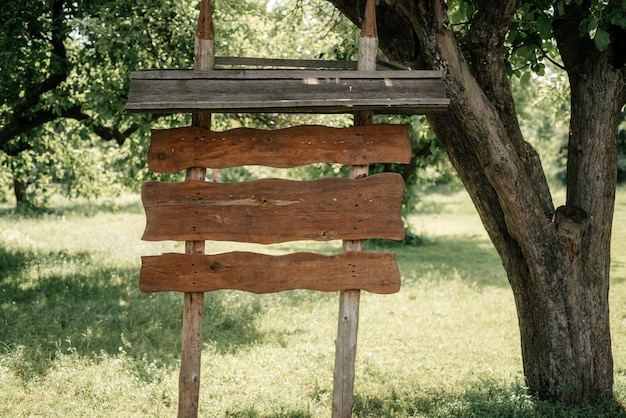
pixel 349 300
pixel 191 355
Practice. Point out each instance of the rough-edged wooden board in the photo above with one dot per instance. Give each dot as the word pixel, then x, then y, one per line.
pixel 176 149
pixel 289 91
pixel 259 273
pixel 275 210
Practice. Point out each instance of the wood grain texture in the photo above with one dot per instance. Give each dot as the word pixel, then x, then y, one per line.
pixel 275 210
pixel 287 91
pixel 176 149
pixel 259 273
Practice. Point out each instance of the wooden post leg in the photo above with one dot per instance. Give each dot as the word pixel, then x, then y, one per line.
pixel 191 356
pixel 345 355
pixel 189 379
pixel 191 350
pixel 347 329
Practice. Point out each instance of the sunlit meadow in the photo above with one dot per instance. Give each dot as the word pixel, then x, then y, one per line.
pixel 78 339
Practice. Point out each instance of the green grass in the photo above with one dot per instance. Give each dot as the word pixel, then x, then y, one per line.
pixel 78 339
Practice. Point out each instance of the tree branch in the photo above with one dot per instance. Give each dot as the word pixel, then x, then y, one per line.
pixel 19 122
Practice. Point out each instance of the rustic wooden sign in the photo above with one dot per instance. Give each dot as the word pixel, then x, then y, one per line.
pixel 259 273
pixel 286 91
pixel 176 149
pixel 275 210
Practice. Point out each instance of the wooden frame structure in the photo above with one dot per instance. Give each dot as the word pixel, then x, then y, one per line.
pixel 326 209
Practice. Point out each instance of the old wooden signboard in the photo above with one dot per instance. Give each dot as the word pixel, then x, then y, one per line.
pixel 286 91
pixel 274 210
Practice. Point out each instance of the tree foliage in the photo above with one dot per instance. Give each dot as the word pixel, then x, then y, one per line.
pixel 65 73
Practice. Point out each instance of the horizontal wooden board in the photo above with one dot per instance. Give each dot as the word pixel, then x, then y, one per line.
pixel 176 149
pixel 258 273
pixel 275 210
pixel 300 63
pixel 289 91
pixel 254 62
pixel 307 76
pixel 286 63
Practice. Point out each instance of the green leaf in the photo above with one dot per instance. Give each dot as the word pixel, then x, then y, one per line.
pixel 525 78
pixel 602 39
pixel 544 26
pixel 526 52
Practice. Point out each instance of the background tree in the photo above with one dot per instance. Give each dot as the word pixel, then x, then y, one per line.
pixel 65 72
pixel 557 259
pixel 65 68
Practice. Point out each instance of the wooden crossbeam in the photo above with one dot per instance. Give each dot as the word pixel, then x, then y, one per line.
pixel 252 62
pixel 286 91
pixel 275 210
pixel 176 149
pixel 259 273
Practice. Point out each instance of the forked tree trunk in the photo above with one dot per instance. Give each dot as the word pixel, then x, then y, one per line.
pixel 557 260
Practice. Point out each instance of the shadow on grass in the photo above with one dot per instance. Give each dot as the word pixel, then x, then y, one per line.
pixel 58 303
pixel 470 259
pixel 485 399
pixel 81 207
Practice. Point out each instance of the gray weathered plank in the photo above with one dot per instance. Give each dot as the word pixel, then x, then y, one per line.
pixel 289 91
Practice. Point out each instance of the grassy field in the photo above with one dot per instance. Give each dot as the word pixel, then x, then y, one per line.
pixel 77 339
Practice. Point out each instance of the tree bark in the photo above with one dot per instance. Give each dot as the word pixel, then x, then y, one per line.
pixel 19 190
pixel 557 261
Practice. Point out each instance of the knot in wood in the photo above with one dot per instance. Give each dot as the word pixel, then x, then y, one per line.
pixel 570 222
pixel 215 266
pixel 573 214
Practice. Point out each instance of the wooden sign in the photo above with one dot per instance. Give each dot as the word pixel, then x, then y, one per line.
pixel 286 91
pixel 258 273
pixel 176 149
pixel 275 210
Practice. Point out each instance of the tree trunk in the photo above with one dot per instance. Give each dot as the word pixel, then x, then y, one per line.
pixel 19 190
pixel 557 261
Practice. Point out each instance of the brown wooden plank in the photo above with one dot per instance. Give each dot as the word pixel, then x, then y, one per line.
pixel 289 91
pixel 176 149
pixel 275 210
pixel 259 273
